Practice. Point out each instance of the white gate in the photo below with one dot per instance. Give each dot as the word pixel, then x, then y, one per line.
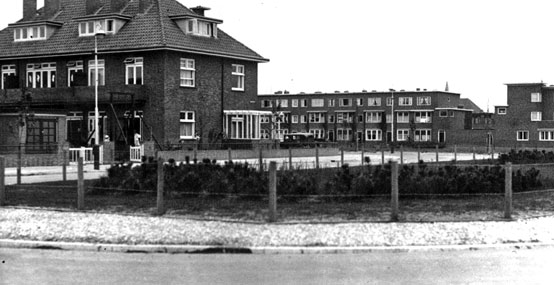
pixel 137 153
pixel 86 153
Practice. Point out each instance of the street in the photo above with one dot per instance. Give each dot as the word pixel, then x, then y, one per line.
pixel 500 266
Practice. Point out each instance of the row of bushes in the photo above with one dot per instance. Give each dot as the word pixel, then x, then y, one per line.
pixel 210 179
pixel 526 157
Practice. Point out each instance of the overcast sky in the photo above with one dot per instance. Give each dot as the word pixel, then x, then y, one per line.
pixel 327 45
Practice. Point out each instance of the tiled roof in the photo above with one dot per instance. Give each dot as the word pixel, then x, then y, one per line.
pixel 152 29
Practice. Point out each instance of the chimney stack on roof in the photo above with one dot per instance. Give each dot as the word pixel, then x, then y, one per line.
pixel 118 5
pixel 29 9
pixel 92 6
pixel 51 7
pixel 200 10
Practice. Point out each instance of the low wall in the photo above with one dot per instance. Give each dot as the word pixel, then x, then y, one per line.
pixel 28 160
pixel 180 155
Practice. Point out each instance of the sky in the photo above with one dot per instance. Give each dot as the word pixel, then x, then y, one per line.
pixel 354 45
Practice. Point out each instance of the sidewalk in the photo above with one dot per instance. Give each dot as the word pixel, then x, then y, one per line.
pixel 47 170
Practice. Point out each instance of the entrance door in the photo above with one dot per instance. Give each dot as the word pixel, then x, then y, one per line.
pixel 389 136
pixel 74 133
pixel 442 136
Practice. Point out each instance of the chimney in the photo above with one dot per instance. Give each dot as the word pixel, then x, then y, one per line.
pixel 143 5
pixel 92 6
pixel 29 9
pixel 51 7
pixel 117 5
pixel 200 10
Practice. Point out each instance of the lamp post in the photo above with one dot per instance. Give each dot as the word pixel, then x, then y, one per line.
pixel 392 116
pixel 99 33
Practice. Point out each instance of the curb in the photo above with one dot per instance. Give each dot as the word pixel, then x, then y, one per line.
pixel 200 249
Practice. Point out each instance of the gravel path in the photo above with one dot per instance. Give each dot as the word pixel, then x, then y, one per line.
pixel 43 225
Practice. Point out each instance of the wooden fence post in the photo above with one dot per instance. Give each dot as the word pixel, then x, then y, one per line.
pixel 418 154
pixel 2 181
pixel 230 153
pixel 508 192
pixel 394 191
pixel 272 191
pixel 19 163
pixel 437 152
pixel 160 188
pixel 401 154
pixel 474 160
pixel 455 153
pixel 363 153
pixel 290 158
pixel 382 156
pixel 64 166
pixel 261 160
pixel 342 156
pixel 316 157
pixel 80 184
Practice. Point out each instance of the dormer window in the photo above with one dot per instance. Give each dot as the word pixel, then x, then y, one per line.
pixel 30 33
pixel 201 28
pixel 90 28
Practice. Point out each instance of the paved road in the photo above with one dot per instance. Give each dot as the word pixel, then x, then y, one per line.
pixel 507 266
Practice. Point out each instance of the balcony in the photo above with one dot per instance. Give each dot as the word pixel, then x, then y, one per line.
pixel 78 95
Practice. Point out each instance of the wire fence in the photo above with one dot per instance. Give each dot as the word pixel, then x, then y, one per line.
pixel 237 192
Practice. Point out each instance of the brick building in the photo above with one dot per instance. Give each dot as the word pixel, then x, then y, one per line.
pixel 165 71
pixel 528 119
pixel 421 117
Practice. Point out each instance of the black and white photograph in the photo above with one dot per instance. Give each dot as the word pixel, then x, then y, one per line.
pixel 276 142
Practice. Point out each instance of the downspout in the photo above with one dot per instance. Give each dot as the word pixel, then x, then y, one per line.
pixel 223 97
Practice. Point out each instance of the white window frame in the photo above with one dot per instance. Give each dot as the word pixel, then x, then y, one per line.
pixel 331 102
pixel 36 72
pixel 373 135
pixel 405 101
pixel 187 120
pixel 390 101
pixel 536 116
pixel 318 102
pixel 345 102
pixel 546 135
pixel 303 103
pixel 423 117
pixel 424 101
pixel 187 77
pixel 265 134
pixel 422 135
pixel 101 72
pixel 284 103
pixel 522 136
pixel 536 97
pixel 403 117
pixel 7 70
pixel 331 118
pixel 374 117
pixel 443 113
pixel 90 28
pixel 35 33
pixel 76 68
pixel 303 119
pixel 295 119
pixel 201 28
pixel 373 102
pixel 238 75
pixel 265 119
pixel 359 102
pixel 294 103
pixel 318 133
pixel 344 117
pixel 344 134
pixel 266 103
pixel 316 117
pixel 502 111
pixel 136 64
pixel 402 135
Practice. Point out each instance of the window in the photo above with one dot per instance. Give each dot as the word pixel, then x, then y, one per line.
pixel 536 116
pixel 374 117
pixel 345 102
pixel 74 68
pixel 90 28
pixel 421 135
pixel 373 135
pixel 187 121
pixel 443 113
pixel 374 102
pixel 29 33
pixel 8 71
pixel 238 130
pixel 318 133
pixel 41 135
pixel 303 119
pixel 294 103
pixel 405 101
pixel 536 97
pixel 265 134
pixel 403 117
pixel 424 101
pixel 303 103
pixel 134 70
pixel 265 119
pixel 331 118
pixel 317 102
pixel 41 75
pixel 388 118
pixel 423 117
pixel 344 117
pixel 402 135
pixel 501 111
pixel 389 101
pixel 284 103
pixel 295 119
pixel 451 113
pixel 238 77
pixel 92 73
pixel 344 134
pixel 359 102
pixel 316 117
pixel 331 102
pixel 360 118
pixel 267 104
pixel 201 28
pixel 188 73
pixel 545 135
pixel 522 135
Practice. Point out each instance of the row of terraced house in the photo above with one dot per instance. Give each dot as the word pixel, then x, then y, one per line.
pixel 169 73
